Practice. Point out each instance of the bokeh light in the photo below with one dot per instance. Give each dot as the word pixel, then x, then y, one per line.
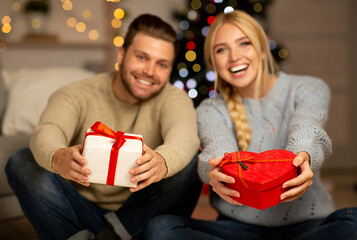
pixel 211 20
pixel 6 19
pixel 183 72
pixel 258 7
pixel 184 25
pixel 93 34
pixel 6 28
pixel 192 93
pixel 191 83
pixel 36 23
pixel 190 45
pixel 192 15
pixel 119 13
pixel 211 8
pixel 210 76
pixel 228 9
pixel 67 5
pixel 118 41
pixel 181 65
pixel 81 27
pixel 204 30
pixel 15 6
pixel 116 23
pixel 196 67
pixel 179 84
pixel 196 4
pixel 190 55
pixel 71 22
pixel 86 13
pixel 283 53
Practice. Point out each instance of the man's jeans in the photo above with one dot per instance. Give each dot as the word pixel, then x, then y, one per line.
pixel 341 224
pixel 58 211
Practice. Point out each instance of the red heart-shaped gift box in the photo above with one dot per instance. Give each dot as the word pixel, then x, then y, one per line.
pixel 259 176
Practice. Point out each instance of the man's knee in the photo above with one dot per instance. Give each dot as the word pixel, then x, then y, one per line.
pixel 18 163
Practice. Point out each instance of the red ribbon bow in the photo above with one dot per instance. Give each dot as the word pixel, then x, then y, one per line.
pixel 236 157
pixel 101 129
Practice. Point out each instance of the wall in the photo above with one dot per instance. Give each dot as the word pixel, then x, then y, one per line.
pixel 318 36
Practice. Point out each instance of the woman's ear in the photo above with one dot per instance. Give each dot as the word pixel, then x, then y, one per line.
pixel 120 56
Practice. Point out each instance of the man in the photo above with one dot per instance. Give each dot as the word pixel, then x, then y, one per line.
pixel 137 99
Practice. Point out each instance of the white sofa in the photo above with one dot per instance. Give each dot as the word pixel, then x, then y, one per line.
pixel 23 96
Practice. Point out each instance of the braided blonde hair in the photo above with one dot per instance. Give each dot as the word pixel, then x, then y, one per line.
pixel 267 66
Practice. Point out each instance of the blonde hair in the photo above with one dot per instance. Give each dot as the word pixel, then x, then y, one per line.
pixel 267 66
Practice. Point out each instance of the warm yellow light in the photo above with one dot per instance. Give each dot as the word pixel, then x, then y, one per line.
pixel 118 41
pixel 113 0
pixel 190 55
pixel 15 6
pixel 119 13
pixel 258 7
pixel 36 23
pixel 196 67
pixel 86 13
pixel 6 19
pixel 81 27
pixel 283 53
pixel 196 4
pixel 67 5
pixel 181 65
pixel 116 23
pixel 71 22
pixel 116 66
pixel 93 35
pixel 6 28
pixel 210 8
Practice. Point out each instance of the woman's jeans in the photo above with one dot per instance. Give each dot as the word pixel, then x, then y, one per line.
pixel 58 211
pixel 341 224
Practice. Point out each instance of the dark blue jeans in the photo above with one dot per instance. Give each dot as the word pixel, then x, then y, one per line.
pixel 58 211
pixel 341 224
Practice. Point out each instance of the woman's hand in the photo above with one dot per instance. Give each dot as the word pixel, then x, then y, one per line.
pixel 217 180
pixel 302 182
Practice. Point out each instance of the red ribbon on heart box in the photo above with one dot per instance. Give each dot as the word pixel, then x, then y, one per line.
pixel 110 155
pixel 259 176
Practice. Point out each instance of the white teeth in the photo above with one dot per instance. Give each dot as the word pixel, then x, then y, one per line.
pixel 144 82
pixel 238 68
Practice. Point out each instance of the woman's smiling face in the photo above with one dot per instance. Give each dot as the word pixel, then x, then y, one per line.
pixel 235 59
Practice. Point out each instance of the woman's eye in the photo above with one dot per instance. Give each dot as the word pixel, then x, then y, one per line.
pixel 219 50
pixel 246 43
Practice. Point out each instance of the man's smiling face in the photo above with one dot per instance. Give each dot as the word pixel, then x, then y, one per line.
pixel 145 68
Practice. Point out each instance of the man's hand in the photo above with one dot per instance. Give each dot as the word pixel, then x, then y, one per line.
pixel 302 182
pixel 69 163
pixel 151 168
pixel 217 180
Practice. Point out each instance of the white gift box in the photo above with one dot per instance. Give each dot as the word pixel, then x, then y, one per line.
pixel 97 151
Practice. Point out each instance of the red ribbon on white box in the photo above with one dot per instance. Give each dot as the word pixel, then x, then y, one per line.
pixel 100 129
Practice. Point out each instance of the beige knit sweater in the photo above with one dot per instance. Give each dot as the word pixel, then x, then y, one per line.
pixel 167 123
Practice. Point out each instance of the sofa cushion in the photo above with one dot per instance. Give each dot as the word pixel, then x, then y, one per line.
pixel 29 90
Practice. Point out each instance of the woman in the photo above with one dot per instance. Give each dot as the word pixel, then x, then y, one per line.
pixel 259 109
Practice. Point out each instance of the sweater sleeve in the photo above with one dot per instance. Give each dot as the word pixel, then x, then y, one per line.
pixel 179 131
pixel 215 130
pixel 55 129
pixel 306 131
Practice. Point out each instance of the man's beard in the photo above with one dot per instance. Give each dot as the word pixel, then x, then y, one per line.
pixel 123 75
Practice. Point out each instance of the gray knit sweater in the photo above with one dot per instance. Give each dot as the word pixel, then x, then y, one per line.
pixel 291 116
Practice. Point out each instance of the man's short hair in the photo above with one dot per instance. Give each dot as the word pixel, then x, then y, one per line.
pixel 152 26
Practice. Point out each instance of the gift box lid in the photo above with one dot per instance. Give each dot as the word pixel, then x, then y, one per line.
pixel 264 170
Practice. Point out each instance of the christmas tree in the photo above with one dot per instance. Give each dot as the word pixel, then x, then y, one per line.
pixel 189 72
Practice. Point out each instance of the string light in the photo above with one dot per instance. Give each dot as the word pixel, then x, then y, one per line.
pixel 190 55
pixel 15 6
pixel 118 41
pixel 196 4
